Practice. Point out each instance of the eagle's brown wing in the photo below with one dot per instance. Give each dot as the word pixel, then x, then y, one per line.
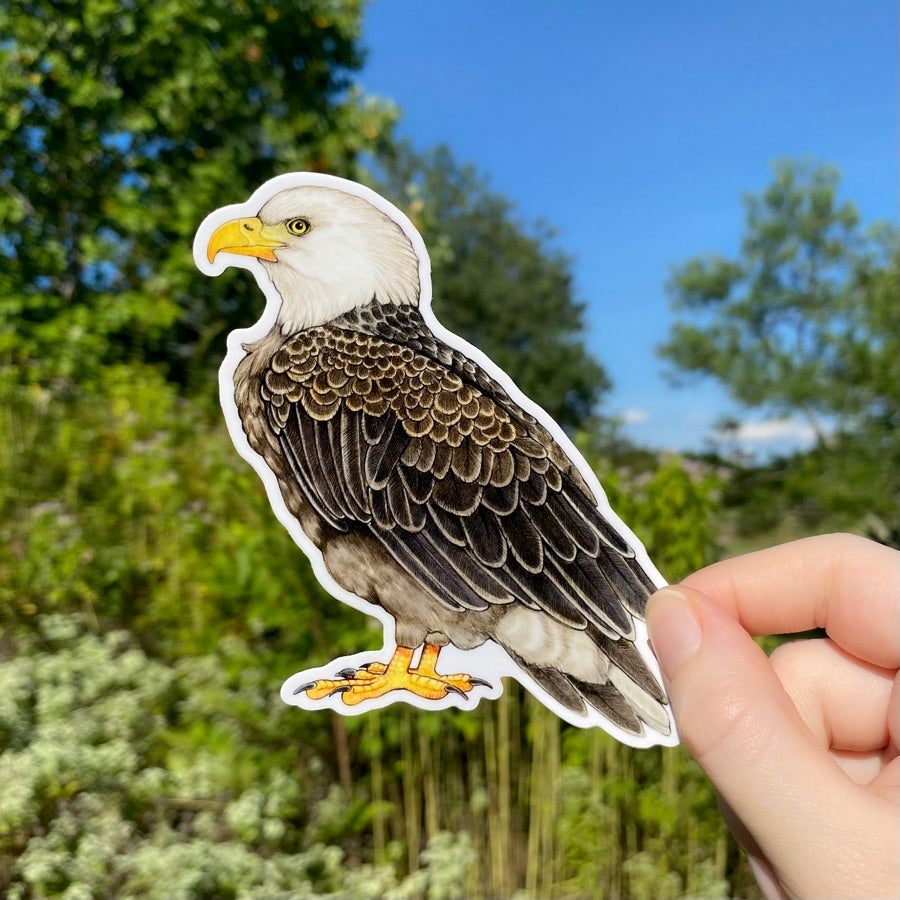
pixel 385 438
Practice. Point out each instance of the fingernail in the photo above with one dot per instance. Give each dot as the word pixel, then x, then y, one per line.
pixel 766 878
pixel 674 628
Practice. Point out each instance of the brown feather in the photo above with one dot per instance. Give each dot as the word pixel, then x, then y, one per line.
pixel 464 490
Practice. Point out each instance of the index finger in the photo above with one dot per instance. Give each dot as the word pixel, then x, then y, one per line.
pixel 845 584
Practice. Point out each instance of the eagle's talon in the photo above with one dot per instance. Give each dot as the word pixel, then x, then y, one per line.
pixel 375 679
pixel 453 689
pixel 372 668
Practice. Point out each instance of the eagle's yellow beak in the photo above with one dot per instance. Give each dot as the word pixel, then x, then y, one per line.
pixel 247 237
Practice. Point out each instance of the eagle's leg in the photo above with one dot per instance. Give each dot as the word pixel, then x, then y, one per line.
pixel 377 679
pixel 427 665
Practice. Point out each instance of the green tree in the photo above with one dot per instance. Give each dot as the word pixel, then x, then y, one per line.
pixel 805 322
pixel 498 283
pixel 123 125
pixel 771 325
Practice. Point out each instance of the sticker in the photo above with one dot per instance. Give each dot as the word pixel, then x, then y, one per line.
pixel 425 488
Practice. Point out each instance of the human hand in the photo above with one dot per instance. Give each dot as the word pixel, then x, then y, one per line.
pixel 803 745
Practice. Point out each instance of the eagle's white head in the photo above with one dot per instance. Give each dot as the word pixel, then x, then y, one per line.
pixel 326 251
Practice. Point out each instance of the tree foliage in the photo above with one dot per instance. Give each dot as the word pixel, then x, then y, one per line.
pixel 124 125
pixel 804 322
pixel 801 321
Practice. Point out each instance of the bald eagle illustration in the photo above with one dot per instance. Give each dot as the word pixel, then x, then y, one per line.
pixel 425 488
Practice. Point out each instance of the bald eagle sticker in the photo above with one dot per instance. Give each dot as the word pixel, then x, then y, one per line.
pixel 425 488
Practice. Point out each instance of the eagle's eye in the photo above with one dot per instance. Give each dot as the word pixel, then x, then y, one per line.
pixel 298 226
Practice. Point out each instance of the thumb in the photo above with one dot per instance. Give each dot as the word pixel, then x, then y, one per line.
pixel 742 728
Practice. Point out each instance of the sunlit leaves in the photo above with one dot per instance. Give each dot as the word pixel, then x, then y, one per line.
pixel 124 125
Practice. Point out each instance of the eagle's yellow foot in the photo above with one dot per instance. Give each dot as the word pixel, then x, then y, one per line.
pixel 378 679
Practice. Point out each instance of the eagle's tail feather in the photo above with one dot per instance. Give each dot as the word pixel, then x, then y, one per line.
pixel 555 683
pixel 647 707
pixel 619 698
pixel 612 704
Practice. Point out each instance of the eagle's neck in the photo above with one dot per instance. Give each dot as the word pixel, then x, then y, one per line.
pixel 309 298
pixel 307 301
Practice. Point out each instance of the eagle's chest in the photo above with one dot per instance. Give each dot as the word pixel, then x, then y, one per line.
pixel 248 382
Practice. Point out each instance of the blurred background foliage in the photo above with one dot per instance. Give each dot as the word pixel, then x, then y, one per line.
pixel 151 605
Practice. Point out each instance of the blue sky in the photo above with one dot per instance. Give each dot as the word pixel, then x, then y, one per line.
pixel 634 129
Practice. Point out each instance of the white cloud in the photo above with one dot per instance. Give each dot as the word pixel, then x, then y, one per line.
pixel 634 416
pixel 788 430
